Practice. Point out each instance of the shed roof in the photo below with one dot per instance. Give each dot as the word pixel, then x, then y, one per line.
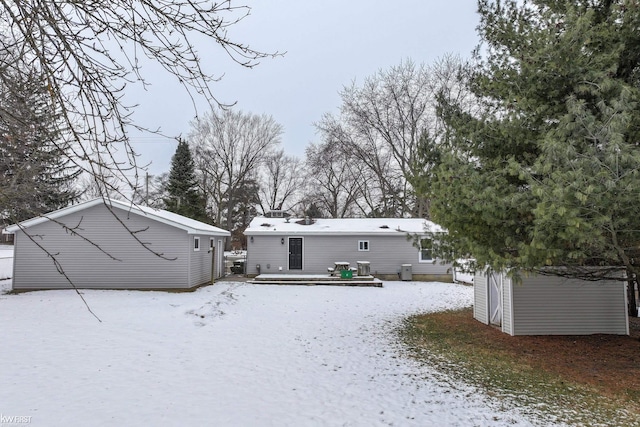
pixel 340 226
pixel 191 226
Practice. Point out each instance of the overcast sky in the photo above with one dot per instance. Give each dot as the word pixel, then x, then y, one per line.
pixel 328 45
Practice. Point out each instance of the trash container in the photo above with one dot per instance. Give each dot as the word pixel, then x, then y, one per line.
pixel 405 272
pixel 364 268
pixel 237 267
pixel 346 274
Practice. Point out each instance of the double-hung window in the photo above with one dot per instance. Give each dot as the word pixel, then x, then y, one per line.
pixel 426 252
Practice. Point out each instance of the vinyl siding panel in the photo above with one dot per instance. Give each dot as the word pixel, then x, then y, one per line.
pixel 556 306
pixel 200 261
pixel 88 267
pixel 480 299
pixel 269 253
pixel 507 305
pixel 386 254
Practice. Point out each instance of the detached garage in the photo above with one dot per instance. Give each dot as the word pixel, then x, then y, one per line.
pixel 550 305
pixel 109 244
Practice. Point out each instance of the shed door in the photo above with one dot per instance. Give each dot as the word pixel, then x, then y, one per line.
pixel 295 253
pixel 495 299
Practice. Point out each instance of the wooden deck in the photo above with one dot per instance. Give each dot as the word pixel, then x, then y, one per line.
pixel 314 279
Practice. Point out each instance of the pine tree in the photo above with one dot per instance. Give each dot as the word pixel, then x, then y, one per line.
pixel 36 171
pixel 545 170
pixel 183 195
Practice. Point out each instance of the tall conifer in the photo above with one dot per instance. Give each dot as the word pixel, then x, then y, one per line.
pixel 544 170
pixel 184 197
pixel 36 171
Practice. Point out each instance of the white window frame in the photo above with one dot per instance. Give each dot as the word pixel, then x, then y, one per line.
pixel 420 259
pixel 196 243
pixel 363 246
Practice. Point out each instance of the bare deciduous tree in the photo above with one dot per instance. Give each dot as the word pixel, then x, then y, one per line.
pixel 90 52
pixel 332 181
pixel 283 178
pixel 382 121
pixel 230 147
pixel 378 182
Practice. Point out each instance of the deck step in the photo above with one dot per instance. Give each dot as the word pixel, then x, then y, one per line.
pixel 370 283
pixel 311 280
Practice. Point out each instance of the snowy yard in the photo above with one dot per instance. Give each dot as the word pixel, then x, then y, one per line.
pixel 231 354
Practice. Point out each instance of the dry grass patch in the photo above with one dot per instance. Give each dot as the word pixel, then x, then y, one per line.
pixel 582 380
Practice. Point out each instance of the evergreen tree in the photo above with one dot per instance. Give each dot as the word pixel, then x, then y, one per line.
pixel 545 171
pixel 313 211
pixel 183 196
pixel 36 171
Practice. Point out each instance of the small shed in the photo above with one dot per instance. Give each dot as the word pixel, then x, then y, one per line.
pixel 550 305
pixel 110 244
pixel 311 246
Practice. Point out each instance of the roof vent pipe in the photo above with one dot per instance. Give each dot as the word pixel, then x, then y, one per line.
pixel 307 220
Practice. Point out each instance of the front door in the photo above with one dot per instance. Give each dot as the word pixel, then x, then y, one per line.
pixel 295 253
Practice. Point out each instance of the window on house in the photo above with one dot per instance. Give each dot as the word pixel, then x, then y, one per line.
pixel 196 243
pixel 426 253
pixel 363 245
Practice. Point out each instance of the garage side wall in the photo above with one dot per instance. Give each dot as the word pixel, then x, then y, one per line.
pixel 85 261
pixel 200 261
pixel 544 305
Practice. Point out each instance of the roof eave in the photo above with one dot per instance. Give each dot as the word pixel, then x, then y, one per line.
pixel 111 204
pixel 221 233
pixel 329 233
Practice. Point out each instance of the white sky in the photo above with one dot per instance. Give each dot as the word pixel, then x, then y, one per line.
pixel 328 45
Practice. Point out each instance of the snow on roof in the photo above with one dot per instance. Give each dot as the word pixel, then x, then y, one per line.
pixel 191 226
pixel 353 226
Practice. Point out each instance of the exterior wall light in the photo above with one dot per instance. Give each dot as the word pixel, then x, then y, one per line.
pixel 282 241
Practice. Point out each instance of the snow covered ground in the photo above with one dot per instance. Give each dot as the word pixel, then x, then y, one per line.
pixel 232 354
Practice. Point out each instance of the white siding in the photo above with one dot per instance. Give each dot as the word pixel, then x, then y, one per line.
pixel 480 298
pixel 88 267
pixel 555 306
pixel 547 305
pixel 507 305
pixel 268 252
pixel 386 254
pixel 200 261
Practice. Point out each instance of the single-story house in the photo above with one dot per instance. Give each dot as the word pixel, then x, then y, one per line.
pixel 311 246
pixel 550 305
pixel 110 244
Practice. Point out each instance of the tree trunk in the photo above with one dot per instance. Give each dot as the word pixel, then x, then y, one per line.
pixel 230 207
